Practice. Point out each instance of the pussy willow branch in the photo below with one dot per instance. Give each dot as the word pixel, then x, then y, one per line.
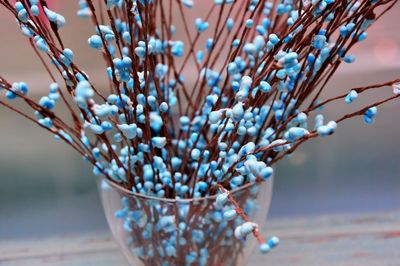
pixel 314 133
pixel 242 213
pixel 311 86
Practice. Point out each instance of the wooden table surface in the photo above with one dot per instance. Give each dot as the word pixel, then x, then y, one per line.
pixel 371 239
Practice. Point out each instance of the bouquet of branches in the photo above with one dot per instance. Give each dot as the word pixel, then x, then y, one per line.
pixel 196 107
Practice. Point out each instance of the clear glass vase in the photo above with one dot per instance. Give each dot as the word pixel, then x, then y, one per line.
pixel 156 231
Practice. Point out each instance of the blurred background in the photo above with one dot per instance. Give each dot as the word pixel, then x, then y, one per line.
pixel 46 189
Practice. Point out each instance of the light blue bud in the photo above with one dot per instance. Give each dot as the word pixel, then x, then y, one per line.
pixel 195 154
pixel 163 107
pixel 266 172
pixel 349 59
pixel 273 241
pixel 177 48
pixel 129 131
pixel 95 42
pixel 327 129
pixel 96 129
pixel 295 133
pixel 215 117
pixel 159 142
pixel 351 96
pixel 273 38
pixel 265 86
pixel 187 3
pixel 238 111
pixel 221 199
pixel 230 24
pixel 247 228
pixel 83 92
pixel 230 214
pixel 265 248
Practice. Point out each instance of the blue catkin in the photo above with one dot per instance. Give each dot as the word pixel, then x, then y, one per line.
pixel 46 122
pixel 164 107
pixel 328 129
pixel 230 23
pixel 41 44
pixel 187 3
pixel 95 42
pixel 238 111
pixel 159 142
pixel 302 117
pixel 351 96
pixel 235 43
pixel 233 68
pixel 177 48
pixel 201 25
pixel 230 214
pixel 295 133
pixel 245 229
pixel 54 17
pixel 273 39
pixel 199 56
pixel 46 102
pixel 362 37
pixel 221 199
pixel 107 126
pixel 266 172
pixel 369 115
pixel 96 129
pixel 319 42
pixel 34 9
pixel 84 10
pixel 83 93
pixel 265 86
pixel 249 23
pixel 23 15
pixel 195 154
pixel 349 59
pixel 273 241
pixel 129 131
pixel 319 121
pixel 265 248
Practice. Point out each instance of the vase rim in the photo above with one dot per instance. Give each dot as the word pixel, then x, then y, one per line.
pixel 114 185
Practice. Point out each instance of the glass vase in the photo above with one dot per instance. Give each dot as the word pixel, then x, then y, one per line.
pixel 157 231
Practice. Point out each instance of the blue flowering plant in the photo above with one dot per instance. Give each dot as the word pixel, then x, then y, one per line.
pixel 196 107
